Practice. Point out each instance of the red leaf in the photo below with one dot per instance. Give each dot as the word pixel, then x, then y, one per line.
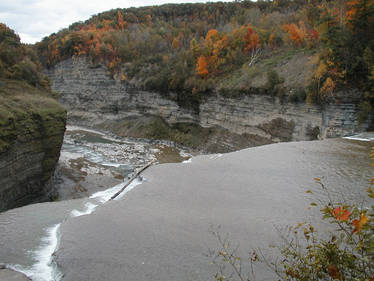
pixel 341 214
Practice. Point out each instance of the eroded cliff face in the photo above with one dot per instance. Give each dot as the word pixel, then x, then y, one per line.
pixel 94 98
pixel 31 133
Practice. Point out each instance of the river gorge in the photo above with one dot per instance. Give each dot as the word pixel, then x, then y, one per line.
pixel 160 227
pixel 198 141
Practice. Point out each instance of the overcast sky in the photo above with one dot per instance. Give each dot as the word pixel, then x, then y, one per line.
pixel 35 19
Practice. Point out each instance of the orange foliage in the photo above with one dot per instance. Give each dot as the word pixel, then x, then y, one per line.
pixel 213 57
pixel 211 33
pixel 201 67
pixel 334 272
pixel 251 39
pixel 352 10
pixel 148 18
pixel 296 33
pixel 97 49
pixel 94 39
pixel 341 214
pixel 122 24
pixel 358 224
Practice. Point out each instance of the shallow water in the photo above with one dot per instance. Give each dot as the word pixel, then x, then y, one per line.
pixel 29 235
pixel 161 230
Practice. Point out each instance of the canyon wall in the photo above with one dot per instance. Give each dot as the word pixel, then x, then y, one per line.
pixel 93 98
pixel 31 134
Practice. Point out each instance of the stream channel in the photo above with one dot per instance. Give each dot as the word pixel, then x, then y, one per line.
pixel 93 166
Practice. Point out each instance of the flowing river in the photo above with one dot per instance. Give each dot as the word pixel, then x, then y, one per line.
pixel 93 166
pixel 159 230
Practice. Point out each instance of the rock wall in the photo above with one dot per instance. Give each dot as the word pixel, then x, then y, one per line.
pixel 30 143
pixel 90 94
pixel 258 115
pixel 93 98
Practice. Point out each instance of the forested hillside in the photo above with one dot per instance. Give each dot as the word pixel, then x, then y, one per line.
pixel 196 49
pixel 19 61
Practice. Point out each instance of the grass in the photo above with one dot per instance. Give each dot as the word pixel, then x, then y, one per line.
pixel 248 80
pixel 18 100
pixel 24 110
pixel 239 79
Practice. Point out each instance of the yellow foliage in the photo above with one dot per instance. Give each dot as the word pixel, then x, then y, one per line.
pixel 309 99
pixel 321 70
pixel 328 87
pixel 358 224
pixel 175 44
pixel 111 65
pixel 272 40
pixel 194 47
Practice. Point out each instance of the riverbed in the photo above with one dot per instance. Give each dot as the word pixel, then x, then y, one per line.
pixel 93 166
pixel 160 229
pixel 92 160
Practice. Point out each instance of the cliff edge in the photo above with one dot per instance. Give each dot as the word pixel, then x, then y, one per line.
pixel 218 123
pixel 32 126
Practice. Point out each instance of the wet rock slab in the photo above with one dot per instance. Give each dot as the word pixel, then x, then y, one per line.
pixel 161 229
pixel 11 275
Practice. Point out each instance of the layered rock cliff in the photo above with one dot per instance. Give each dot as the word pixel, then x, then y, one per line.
pixel 219 123
pixel 32 126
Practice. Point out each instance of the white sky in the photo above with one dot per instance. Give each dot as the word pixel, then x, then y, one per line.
pixel 34 19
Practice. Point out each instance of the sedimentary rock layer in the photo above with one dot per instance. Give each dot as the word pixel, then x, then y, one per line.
pixel 31 135
pixel 94 98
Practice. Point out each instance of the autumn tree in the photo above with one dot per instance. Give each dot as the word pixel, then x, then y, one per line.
pixel 202 66
pixel 212 54
pixel 251 40
pixel 296 33
pixel 216 40
pixel 252 45
pixel 121 22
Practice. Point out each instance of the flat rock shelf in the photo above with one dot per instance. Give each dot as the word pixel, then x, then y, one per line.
pixel 161 230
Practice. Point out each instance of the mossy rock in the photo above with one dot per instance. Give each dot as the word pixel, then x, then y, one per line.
pixel 32 126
